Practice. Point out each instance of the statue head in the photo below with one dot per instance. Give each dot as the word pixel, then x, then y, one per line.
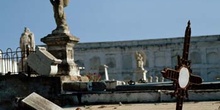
pixel 26 30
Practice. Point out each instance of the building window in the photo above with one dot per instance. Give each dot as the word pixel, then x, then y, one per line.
pixel 160 59
pixel 111 62
pixel 212 58
pixel 95 63
pixel 195 58
pixel 127 62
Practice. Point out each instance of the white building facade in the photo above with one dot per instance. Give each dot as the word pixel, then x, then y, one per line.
pixel 119 56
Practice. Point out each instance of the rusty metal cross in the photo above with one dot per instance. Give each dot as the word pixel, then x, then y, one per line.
pixel 182 76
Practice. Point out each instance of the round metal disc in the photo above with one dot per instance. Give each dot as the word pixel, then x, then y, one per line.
pixel 183 79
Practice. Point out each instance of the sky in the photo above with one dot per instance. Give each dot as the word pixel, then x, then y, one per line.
pixel 109 20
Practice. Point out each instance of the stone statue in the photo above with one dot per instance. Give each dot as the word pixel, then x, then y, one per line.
pixel 59 15
pixel 27 39
pixel 26 42
pixel 140 58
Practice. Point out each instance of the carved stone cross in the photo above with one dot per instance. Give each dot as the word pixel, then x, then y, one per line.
pixel 182 76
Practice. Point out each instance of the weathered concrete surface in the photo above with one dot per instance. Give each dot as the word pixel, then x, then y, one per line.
pixel 50 87
pixel 146 96
pixel 166 86
pixel 155 92
pixel 115 97
pixel 21 86
pixel 75 86
pixel 207 105
pixel 83 86
pixel 204 95
pixel 111 85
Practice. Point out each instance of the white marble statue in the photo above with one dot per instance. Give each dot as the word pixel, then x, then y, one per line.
pixel 27 43
pixel 27 39
pixel 140 60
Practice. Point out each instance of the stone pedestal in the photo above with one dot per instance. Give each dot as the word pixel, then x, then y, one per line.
pixel 140 75
pixel 61 45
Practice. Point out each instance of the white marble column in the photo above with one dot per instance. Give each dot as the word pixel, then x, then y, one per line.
pixel 106 72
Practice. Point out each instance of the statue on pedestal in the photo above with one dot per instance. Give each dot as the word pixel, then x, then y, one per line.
pixel 140 71
pixel 60 43
pixel 59 15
